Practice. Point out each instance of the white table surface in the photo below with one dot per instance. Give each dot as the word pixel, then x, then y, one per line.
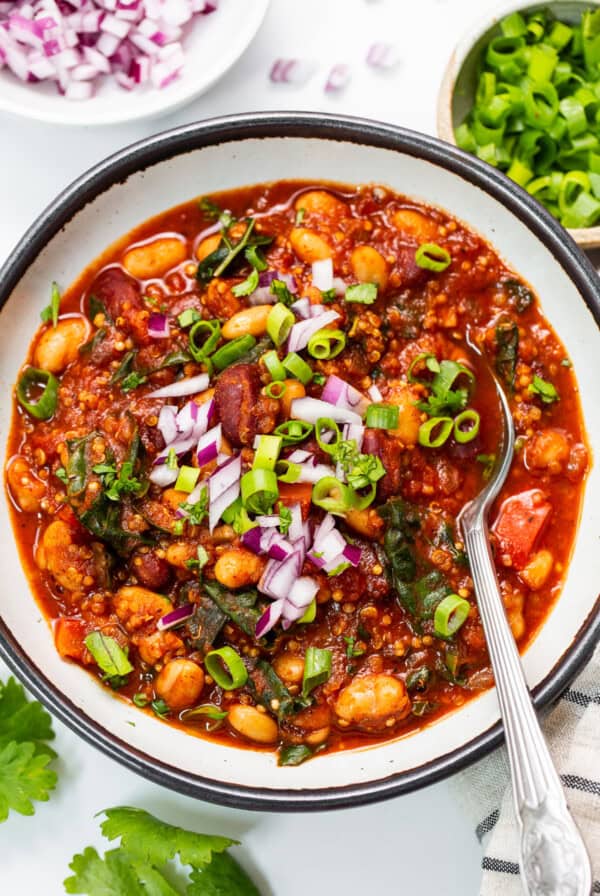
pixel 417 844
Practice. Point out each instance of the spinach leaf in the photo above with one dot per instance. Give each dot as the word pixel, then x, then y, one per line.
pixel 207 621
pixel 521 297
pixel 90 346
pixel 239 606
pixel 507 349
pixel 124 368
pixel 226 254
pixel 293 754
pixel 445 538
pixel 267 688
pixel 95 306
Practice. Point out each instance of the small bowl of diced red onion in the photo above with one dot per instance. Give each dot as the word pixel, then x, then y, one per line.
pixel 88 62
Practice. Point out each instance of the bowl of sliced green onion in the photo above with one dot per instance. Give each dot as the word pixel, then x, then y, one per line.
pixel 522 93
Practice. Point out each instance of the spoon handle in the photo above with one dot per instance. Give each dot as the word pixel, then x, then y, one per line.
pixel 554 860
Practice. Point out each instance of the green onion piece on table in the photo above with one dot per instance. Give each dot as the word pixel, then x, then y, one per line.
pixel 450 614
pixel 326 344
pixel 40 404
pixel 227 668
pixel 232 351
pixel 279 323
pixel 382 416
pixel 466 426
pixel 298 368
pixel 317 668
pixel 432 257
pixel 259 490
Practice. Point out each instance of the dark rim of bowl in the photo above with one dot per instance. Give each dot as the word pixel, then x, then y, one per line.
pixel 184 139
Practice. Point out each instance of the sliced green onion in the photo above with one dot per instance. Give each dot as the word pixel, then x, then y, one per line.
pixel 310 614
pixel 275 389
pixel 513 25
pixel 466 426
pixel 187 479
pixel 226 667
pixel 50 313
pixel 431 363
pixel 435 431
pixel 209 710
pixel 327 425
pixel 432 257
pixel 362 293
pixel 298 368
pixel 232 351
pixel 317 668
pixel 188 317
pixel 203 338
pixel 288 471
pixel 333 496
pixel 450 614
pixel 44 405
pixel 382 416
pixel 274 366
pixel 326 344
pixel 259 490
pixel 279 323
pixel 294 431
pixel 236 516
pixel 267 452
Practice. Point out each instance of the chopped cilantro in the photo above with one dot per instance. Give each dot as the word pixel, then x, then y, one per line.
pixel 280 289
pixel 545 391
pixel 285 518
pixel 328 295
pixel 300 213
pixel 351 649
pixel 197 512
pixel 61 474
pixel 488 461
pixel 132 381
pixel 161 709
pixel 116 484
pixel 363 293
pixel 247 286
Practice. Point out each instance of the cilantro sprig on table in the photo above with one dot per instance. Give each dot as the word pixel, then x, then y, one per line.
pixel 25 728
pixel 141 865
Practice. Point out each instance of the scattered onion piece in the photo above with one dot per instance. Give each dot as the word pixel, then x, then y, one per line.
pixel 291 71
pixel 383 56
pixel 338 78
pixel 175 617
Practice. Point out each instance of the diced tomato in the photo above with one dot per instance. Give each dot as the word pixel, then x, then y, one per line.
pixel 296 493
pixel 520 524
pixel 68 637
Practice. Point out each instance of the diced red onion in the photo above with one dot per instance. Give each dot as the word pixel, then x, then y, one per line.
pixel 163 475
pixel 352 553
pixel 187 417
pixel 316 310
pixel 269 618
pixel 301 307
pixel 175 617
pixel 382 55
pixel 338 78
pixel 278 577
pixel 167 425
pixel 342 394
pixel 354 431
pixel 291 71
pixel 299 456
pixel 295 531
pixel 339 286
pixel 322 274
pixel 302 331
pixel 310 472
pixel 223 489
pixel 375 394
pixel 267 522
pixel 310 409
pixel 181 388
pixel 209 446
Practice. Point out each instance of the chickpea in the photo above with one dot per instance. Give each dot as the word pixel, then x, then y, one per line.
pixel 415 224
pixel 237 567
pixel 372 699
pixel 67 562
pixel 409 418
pixel 289 667
pixel 320 202
pixel 309 246
pixel 25 487
pixel 152 648
pixel 207 246
pixel 250 320
pixel 156 258
pixel 536 573
pixel 369 266
pixel 365 522
pixel 293 389
pixel 547 449
pixel 180 683
pixel 136 607
pixel 59 346
pixel 179 552
pixel 252 724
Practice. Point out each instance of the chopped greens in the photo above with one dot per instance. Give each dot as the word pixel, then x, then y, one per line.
pixel 293 754
pixel 110 657
pixel 544 390
pixel 160 708
pixel 280 289
pixel 51 311
pixel 507 348
pixel 445 396
pixel 226 254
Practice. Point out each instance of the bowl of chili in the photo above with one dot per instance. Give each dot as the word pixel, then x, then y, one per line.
pixel 242 435
pixel 520 92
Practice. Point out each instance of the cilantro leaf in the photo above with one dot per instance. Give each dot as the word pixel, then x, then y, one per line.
pixel 546 391
pixel 280 289
pixel 223 877
pixel 248 285
pixel 156 842
pixel 23 778
pixel 363 293
pixel 22 719
pixel 114 875
pixel 285 518
pixel 197 512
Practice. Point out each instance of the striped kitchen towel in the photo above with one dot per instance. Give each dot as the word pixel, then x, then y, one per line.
pixel 572 729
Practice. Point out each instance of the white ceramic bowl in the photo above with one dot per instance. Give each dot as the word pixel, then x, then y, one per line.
pixel 221 154
pixel 212 44
pixel 457 90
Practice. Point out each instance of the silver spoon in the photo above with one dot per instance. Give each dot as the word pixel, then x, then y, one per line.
pixel 554 860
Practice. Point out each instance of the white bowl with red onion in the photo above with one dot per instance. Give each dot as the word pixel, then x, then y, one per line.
pixel 100 62
pixel 223 154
